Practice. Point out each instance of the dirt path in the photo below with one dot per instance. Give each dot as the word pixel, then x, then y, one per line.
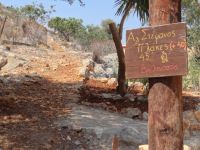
pixel 32 96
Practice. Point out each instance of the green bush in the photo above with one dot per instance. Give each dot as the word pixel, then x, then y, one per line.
pixel 74 29
pixel 36 12
pixel 192 80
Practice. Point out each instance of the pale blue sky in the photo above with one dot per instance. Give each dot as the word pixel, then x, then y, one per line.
pixel 92 13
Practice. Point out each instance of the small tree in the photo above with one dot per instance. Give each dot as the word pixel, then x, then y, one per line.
pixel 70 27
pixel 97 33
pixel 36 12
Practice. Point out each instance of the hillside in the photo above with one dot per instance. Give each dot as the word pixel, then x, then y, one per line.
pixel 16 28
pixel 54 96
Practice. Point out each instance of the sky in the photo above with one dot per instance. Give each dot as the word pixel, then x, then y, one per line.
pixel 93 12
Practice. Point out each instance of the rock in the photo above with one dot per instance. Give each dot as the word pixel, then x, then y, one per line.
pixel 107 95
pixel 190 116
pixel 112 82
pixel 82 72
pixel 131 97
pixel 87 69
pixel 109 72
pixel 13 62
pixel 132 112
pixel 143 147
pixel 3 61
pixel 88 63
pixel 145 116
pixel 99 128
pixel 198 107
pixel 99 71
pixel 117 97
pixel 111 60
pixel 197 115
pixel 77 142
pixel 141 98
pixel 111 96
pixel 69 138
pixel 102 80
pixel 137 87
pixel 193 142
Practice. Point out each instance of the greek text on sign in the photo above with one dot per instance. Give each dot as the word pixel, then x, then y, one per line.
pixel 156 51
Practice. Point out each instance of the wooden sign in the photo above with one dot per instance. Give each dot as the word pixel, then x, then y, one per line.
pixel 156 51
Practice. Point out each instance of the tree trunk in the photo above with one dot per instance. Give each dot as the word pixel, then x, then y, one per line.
pixel 121 59
pixel 121 25
pixel 165 124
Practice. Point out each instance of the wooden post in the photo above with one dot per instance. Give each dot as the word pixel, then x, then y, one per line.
pixel 165 124
pixel 121 59
pixel 3 25
pixel 115 143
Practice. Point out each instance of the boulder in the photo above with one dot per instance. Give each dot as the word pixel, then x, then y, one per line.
pixel 109 72
pixel 132 112
pixel 99 71
pixel 111 60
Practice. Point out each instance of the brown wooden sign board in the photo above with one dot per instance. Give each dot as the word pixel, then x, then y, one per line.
pixel 156 51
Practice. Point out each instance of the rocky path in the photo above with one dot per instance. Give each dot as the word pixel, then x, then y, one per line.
pixel 42 108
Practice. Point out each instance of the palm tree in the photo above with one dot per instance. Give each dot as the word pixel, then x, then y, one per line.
pixel 125 7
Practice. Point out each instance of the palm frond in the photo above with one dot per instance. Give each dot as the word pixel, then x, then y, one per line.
pixel 140 7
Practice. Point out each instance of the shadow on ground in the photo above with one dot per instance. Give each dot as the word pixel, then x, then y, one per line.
pixel 28 104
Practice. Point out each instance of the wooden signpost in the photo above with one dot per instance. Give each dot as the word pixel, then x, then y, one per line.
pixel 156 51
pixel 159 53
